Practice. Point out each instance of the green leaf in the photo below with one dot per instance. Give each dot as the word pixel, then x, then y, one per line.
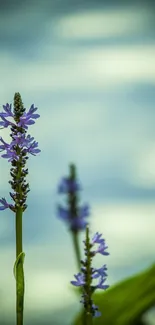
pixel 126 302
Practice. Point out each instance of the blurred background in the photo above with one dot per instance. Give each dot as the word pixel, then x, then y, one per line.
pixel 89 67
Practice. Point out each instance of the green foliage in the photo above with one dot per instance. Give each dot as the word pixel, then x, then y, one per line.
pixel 126 302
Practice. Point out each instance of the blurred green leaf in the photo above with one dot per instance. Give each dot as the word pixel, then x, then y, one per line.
pixel 126 302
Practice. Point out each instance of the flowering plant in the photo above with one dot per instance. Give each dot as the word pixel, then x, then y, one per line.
pixel 74 215
pixel 141 288
pixel 16 152
pixel 88 273
pixel 75 218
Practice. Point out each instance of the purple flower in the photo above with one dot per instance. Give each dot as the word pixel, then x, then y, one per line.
pixel 32 148
pixel 63 213
pixel 101 249
pixel 10 155
pixel 84 211
pixel 5 123
pixel 102 246
pixel 99 272
pixel 27 118
pixel 5 205
pixel 100 284
pixel 68 185
pixel 95 310
pixel 74 222
pixel 97 239
pixel 80 280
pixel 7 109
pixel 77 223
pixel 24 142
pixel 5 145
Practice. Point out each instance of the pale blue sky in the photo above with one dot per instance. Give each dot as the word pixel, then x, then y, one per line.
pixel 89 68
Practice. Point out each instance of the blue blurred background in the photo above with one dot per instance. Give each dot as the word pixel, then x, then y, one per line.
pixel 89 68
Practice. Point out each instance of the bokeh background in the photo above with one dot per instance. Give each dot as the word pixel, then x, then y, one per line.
pixel 89 67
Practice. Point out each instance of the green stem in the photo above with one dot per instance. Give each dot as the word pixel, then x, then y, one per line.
pixel 89 319
pixel 19 269
pixel 78 260
pixel 77 249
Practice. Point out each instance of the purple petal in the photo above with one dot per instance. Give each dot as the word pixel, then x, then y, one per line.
pixel 7 109
pixel 77 224
pixel 97 239
pixel 80 280
pixel 67 185
pixel 84 211
pixel 99 272
pixel 5 205
pixel 63 213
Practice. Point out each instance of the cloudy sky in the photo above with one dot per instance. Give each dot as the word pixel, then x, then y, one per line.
pixel 89 68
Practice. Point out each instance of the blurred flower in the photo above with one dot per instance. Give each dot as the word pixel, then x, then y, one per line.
pixel 76 223
pixel 73 215
pixel 68 185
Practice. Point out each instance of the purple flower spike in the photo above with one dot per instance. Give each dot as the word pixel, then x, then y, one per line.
pixel 74 215
pixel 18 149
pixel 88 274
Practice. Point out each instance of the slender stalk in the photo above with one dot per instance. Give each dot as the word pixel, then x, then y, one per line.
pixel 77 249
pixel 19 244
pixel 19 270
pixel 88 319
pixel 75 236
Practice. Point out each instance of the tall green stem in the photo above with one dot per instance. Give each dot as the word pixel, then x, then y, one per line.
pixel 77 249
pixel 19 269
